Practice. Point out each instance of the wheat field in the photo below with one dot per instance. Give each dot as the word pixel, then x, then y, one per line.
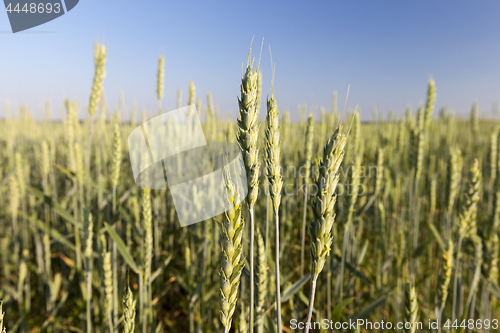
pixel 395 220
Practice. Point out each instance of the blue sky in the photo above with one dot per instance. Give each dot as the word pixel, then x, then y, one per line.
pixel 385 50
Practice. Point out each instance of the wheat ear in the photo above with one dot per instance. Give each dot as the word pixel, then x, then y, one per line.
pixel 323 203
pixel 429 106
pixel 159 81
pixel 108 287
pixel 191 93
pixel 468 217
pixel 231 258
pixel 467 225
pixel 454 176
pixel 445 277
pixel 410 308
pixel 129 311
pixel 490 265
pixel 117 161
pixel 96 92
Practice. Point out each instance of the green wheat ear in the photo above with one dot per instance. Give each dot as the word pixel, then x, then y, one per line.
pixel 159 78
pixel 89 233
pixel 309 146
pixel 248 132
pixel 445 276
pixel 231 258
pixel 96 92
pixel 490 265
pixel 272 153
pixel 108 280
pixel 323 203
pixel 117 155
pixel 429 106
pixel 320 228
pixel 468 216
pixel 410 307
pixel 454 176
pixel 129 311
pixel 191 93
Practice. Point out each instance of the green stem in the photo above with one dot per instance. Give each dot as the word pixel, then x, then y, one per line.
pixel 277 262
pixel 88 273
pixel 252 287
pixel 303 236
pixel 455 283
pixel 310 308
pixel 115 266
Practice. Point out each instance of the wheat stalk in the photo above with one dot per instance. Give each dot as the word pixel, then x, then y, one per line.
pixel 148 250
pixel 493 157
pixel 80 168
pixel 467 227
pixel 323 203
pixel 307 175
pixel 261 281
pixel 353 182
pixel 248 132
pixel 273 172
pixel 89 234
pixel 2 314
